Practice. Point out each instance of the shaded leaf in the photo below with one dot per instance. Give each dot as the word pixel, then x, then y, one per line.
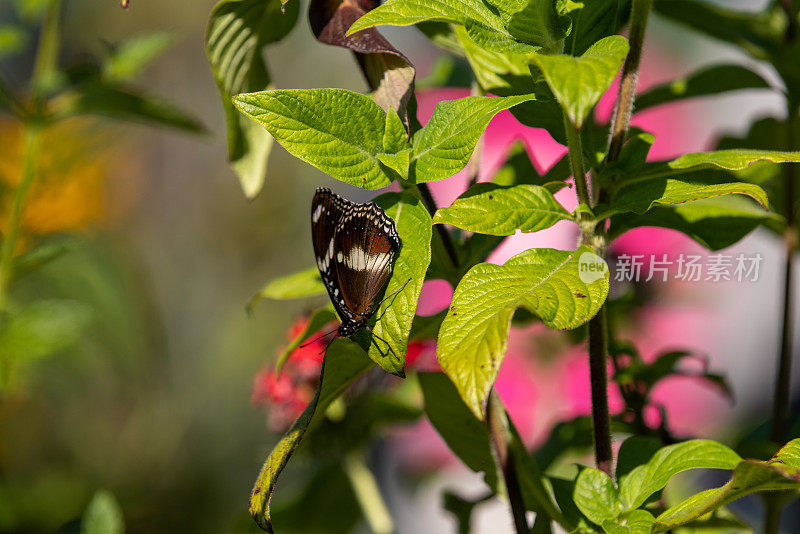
pixel 114 101
pixel 708 81
pixel 715 223
pixel 237 33
pixel 495 210
pixel 343 362
pixel 474 335
pixel 641 197
pixel 579 82
pixel 339 132
pixel 595 20
pixel 637 522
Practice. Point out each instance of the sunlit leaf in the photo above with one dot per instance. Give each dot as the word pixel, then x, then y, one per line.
pixel 474 335
pixel 491 209
pixel 302 284
pixel 103 516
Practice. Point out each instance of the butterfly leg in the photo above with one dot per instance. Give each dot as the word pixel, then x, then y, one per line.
pixel 393 293
pixel 374 336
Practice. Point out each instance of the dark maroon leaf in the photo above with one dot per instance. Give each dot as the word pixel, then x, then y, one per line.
pixel 388 72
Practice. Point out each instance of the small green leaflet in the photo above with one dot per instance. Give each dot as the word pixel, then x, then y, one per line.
pixel 305 283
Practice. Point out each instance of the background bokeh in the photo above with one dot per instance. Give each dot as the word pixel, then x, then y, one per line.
pixel 153 400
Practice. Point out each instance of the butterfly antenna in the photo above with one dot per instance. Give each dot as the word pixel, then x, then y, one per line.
pixel 395 292
pixel 307 343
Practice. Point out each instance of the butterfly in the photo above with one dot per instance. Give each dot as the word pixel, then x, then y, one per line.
pixel 355 246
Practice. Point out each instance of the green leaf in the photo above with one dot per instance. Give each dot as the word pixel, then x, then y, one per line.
pixel 533 21
pixel 339 132
pixel 748 476
pixel 316 321
pixel 790 454
pixel 103 515
pixel 344 361
pixel 467 437
pixel 40 256
pixel 96 97
pixel 491 209
pixel 397 313
pixel 596 496
pixel 579 82
pixel 595 20
pixel 732 160
pixel 237 33
pixel 715 223
pixel 635 451
pixel 485 26
pixel 12 40
pixel 474 335
pixel 757 33
pixel 130 58
pixel 637 522
pixel 305 283
pixel 42 328
pixel 651 477
pixel 705 82
pixel 444 146
pixel 641 197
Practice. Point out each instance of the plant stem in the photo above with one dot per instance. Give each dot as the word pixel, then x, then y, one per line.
pixel 447 239
pixel 576 162
pixel 640 12
pixel 367 493
pixel 598 376
pixel 780 406
pixel 32 143
pixel 498 430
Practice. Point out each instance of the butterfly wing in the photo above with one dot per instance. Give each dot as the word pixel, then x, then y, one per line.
pixel 327 209
pixel 366 244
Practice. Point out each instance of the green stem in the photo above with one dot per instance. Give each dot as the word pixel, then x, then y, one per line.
pixel 367 493
pixel 32 143
pixel 498 430
pixel 780 408
pixel 640 12
pixel 576 162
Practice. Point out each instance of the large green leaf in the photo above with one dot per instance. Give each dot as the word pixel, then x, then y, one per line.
pixel 579 82
pixel 637 522
pixel 339 132
pixel 443 147
pixel 305 283
pixel 748 476
pixel 474 335
pixel 715 223
pixel 525 30
pixel 495 210
pixel 103 515
pixel 705 82
pixel 596 496
pixel 533 21
pixel 237 33
pixel 643 481
pixel 344 361
pixel 641 197
pixel 396 314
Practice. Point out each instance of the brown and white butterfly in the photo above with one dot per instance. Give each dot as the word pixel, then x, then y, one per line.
pixel 355 246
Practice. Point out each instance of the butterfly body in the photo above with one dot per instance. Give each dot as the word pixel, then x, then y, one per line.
pixel 355 246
